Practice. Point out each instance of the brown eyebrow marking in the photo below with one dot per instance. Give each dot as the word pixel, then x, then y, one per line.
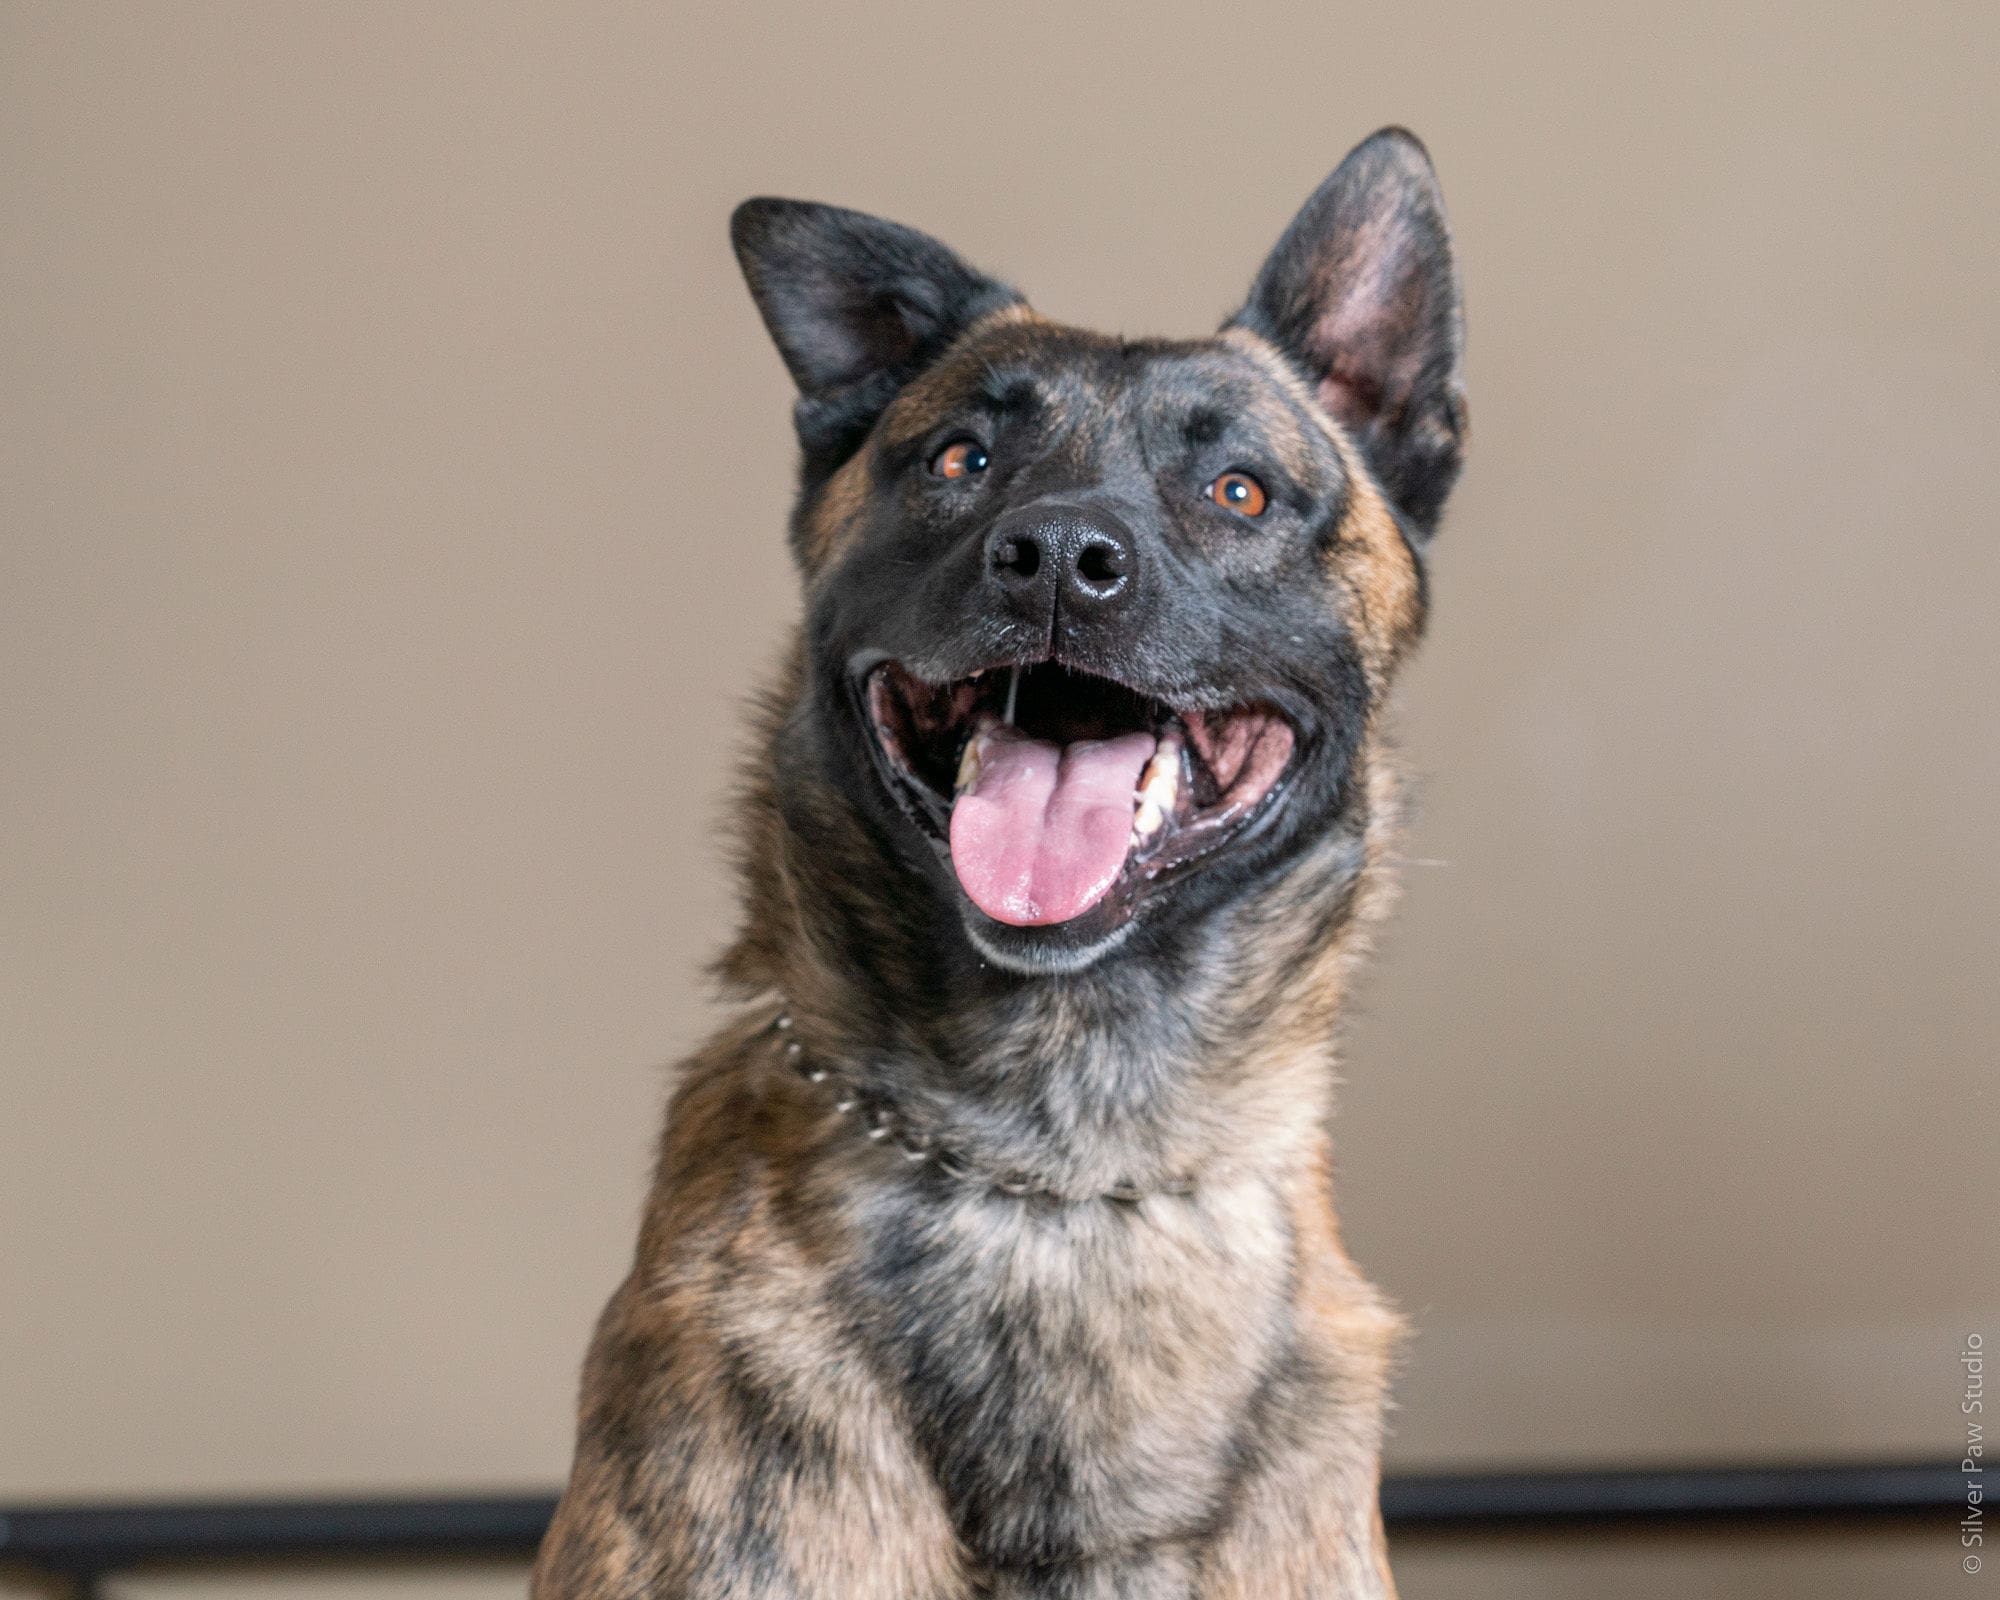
pixel 951 379
pixel 1279 424
pixel 1270 400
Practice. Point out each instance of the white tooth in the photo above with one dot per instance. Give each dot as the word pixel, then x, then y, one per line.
pixel 968 764
pixel 1158 785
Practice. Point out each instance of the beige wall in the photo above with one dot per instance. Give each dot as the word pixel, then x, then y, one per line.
pixel 392 472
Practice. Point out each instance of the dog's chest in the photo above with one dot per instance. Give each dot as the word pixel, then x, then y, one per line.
pixel 1080 1376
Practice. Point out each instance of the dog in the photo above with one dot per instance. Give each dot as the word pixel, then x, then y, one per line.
pixel 992 1249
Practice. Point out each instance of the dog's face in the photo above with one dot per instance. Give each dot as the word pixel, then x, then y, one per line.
pixel 1095 625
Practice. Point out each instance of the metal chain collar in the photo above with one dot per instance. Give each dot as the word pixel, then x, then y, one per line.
pixel 881 1124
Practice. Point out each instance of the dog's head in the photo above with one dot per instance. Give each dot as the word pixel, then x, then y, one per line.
pixel 1096 626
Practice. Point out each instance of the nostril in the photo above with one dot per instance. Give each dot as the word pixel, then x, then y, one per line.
pixel 1022 557
pixel 1101 564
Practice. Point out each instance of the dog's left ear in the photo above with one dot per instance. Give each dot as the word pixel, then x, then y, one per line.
pixel 1362 295
pixel 857 306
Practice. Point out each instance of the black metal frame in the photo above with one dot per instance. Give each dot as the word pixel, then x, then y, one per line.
pixel 72 1548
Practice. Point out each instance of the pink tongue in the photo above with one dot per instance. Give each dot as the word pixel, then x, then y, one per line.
pixel 1042 832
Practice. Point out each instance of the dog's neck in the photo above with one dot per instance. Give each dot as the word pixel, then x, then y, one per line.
pixel 861 1093
pixel 1169 1060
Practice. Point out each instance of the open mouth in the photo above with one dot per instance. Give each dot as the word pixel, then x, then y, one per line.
pixel 1052 787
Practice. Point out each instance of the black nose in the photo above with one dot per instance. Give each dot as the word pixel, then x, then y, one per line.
pixel 1043 557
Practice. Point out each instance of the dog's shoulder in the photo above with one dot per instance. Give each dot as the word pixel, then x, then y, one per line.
pixel 729 1428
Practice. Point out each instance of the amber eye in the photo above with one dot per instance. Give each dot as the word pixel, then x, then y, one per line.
pixel 959 460
pixel 1238 491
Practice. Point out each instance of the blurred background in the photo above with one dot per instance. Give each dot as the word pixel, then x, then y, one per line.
pixel 393 473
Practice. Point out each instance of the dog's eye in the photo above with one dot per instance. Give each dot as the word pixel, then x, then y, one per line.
pixel 1239 492
pixel 959 460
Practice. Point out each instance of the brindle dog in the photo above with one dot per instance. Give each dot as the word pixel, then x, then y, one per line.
pixel 993 1251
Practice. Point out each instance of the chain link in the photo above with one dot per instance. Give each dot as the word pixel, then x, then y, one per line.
pixel 880 1124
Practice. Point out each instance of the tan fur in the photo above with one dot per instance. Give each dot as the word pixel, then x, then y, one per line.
pixel 830 525
pixel 735 1246
pixel 1371 558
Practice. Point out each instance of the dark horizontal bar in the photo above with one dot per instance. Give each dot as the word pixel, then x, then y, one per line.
pixel 85 1541
pixel 1493 1501
pixel 101 1538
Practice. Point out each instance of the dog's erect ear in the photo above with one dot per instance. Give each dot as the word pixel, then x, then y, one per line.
pixel 1362 295
pixel 857 307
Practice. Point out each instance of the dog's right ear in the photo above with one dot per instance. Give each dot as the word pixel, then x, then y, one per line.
pixel 857 307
